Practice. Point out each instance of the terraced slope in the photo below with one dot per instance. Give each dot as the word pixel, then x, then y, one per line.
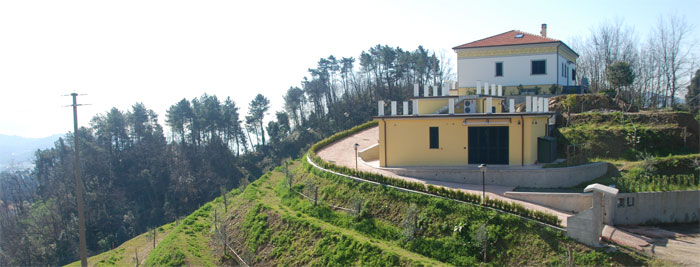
pixel 352 223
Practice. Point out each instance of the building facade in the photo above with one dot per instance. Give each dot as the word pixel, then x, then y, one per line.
pixel 517 60
pixel 458 130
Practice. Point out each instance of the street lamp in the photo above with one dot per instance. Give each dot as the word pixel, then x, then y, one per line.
pixel 483 183
pixel 356 146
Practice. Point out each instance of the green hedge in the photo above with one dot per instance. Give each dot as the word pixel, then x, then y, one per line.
pixel 438 191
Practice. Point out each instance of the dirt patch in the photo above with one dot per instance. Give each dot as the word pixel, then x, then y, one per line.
pixel 678 243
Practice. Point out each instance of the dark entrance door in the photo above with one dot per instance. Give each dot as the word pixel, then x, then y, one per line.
pixel 488 145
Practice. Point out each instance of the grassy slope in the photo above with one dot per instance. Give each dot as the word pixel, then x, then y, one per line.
pixel 267 224
pixel 125 254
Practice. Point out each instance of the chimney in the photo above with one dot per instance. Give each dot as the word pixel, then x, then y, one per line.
pixel 543 32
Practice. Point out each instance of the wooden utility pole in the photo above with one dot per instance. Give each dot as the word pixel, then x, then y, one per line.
pixel 79 185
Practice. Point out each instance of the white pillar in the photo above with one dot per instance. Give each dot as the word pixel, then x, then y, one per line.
pixel 511 105
pixel 493 89
pixel 426 90
pixel 478 87
pixel 435 90
pixel 542 104
pixel 415 107
pixel 500 90
pixel 528 104
pixel 380 108
pixel 415 90
pixel 446 88
pixel 393 108
pixel 546 105
pixel 451 105
pixel 489 104
pixel 405 108
pixel 486 88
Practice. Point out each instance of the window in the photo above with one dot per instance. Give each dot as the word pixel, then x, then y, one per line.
pixel 434 139
pixel 621 202
pixel 563 70
pixel 630 201
pixel 573 74
pixel 519 35
pixel 538 67
pixel 499 69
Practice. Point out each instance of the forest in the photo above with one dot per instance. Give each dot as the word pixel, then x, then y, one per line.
pixel 138 175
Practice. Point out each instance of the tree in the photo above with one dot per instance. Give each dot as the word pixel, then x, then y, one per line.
pixel 257 108
pixel 672 51
pixel 693 95
pixel 619 75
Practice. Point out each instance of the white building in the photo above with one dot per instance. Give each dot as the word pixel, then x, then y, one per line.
pixel 516 58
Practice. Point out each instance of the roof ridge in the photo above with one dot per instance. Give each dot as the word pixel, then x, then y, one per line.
pixel 539 35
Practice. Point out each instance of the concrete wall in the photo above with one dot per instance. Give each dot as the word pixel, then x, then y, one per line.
pixel 370 154
pixel 568 202
pixel 657 207
pixel 508 176
pixel 582 228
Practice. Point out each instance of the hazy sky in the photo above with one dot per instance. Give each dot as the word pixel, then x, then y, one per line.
pixel 158 52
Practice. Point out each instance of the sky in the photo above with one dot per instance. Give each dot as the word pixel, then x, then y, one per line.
pixel 119 53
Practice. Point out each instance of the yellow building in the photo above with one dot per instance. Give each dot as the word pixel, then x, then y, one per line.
pixel 457 130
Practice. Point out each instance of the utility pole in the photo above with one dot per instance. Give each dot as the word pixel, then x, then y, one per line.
pixel 79 185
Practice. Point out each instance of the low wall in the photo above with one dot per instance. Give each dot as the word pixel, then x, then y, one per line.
pixel 568 202
pixel 370 154
pixel 510 176
pixel 657 207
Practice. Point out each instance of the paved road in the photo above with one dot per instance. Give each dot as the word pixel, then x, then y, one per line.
pixel 342 153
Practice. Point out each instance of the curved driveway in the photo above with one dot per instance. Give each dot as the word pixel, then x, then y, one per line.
pixel 342 153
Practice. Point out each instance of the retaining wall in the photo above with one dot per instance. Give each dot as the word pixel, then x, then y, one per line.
pixel 568 202
pixel 510 176
pixel 371 153
pixel 657 207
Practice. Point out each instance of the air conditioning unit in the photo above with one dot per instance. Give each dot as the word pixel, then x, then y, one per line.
pixel 470 106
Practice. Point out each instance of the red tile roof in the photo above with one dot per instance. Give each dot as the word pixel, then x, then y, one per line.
pixel 508 38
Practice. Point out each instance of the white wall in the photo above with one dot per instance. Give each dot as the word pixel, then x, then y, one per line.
pixel 516 70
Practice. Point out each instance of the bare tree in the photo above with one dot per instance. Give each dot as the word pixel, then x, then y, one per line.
pixel 609 42
pixel 672 51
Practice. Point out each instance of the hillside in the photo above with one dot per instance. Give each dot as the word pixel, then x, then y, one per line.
pixel 20 150
pixel 269 224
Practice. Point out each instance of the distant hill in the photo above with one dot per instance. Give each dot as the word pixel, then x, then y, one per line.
pixel 19 151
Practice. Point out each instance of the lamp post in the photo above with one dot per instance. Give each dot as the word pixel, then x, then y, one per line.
pixel 483 183
pixel 356 145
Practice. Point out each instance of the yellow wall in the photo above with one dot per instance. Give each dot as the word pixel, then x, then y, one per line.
pixel 429 106
pixel 409 140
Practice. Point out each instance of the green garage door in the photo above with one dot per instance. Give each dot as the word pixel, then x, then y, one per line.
pixel 488 145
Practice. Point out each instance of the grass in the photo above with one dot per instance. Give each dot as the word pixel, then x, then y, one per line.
pixel 437 219
pixel 188 243
pixel 125 254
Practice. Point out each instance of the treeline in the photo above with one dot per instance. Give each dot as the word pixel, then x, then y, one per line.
pixel 135 178
pixel 660 67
